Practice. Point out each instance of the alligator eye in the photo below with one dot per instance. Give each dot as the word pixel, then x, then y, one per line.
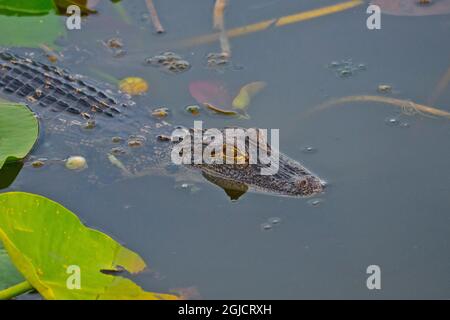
pixel 303 183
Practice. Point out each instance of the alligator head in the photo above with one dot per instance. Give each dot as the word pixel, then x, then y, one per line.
pixel 287 178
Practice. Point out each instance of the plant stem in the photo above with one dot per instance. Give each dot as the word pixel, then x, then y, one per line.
pixel 154 16
pixel 15 291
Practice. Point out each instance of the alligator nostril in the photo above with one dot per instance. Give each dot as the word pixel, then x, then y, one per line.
pixel 323 184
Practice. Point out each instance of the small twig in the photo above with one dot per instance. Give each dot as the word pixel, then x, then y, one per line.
pixel 219 24
pixel 219 8
pixel 154 16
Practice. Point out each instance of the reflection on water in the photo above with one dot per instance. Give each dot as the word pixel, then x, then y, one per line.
pixel 387 202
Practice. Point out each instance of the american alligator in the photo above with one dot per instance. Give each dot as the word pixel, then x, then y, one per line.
pixel 79 115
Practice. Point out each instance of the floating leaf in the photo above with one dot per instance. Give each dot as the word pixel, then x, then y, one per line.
pixel 213 92
pixel 84 5
pixel 45 241
pixel 29 23
pixel 246 93
pixel 18 132
pixel 26 7
pixel 220 111
pixel 133 85
pixel 413 7
pixel 9 276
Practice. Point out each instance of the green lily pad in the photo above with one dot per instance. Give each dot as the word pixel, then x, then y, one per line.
pixel 46 242
pixel 19 130
pixel 25 23
pixel 9 276
pixel 26 6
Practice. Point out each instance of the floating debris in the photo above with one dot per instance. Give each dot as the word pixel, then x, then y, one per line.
pixel 384 88
pixel 38 163
pixel 90 124
pixel 407 107
pixel 133 86
pixel 117 151
pixel 215 59
pixel 115 46
pixel 135 141
pixel 193 109
pixel 117 139
pixel 154 16
pixel 76 163
pixel 114 43
pixel 169 62
pixel 160 112
pixel 117 163
pixel 346 68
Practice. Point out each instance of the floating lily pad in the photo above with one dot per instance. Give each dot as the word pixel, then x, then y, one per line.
pixel 45 241
pixel 413 7
pixel 29 23
pixel 9 275
pixel 18 132
pixel 212 92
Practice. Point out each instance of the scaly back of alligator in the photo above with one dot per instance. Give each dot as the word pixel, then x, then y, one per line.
pixel 78 115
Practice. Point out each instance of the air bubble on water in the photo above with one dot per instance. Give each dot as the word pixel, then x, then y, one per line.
pixel 392 121
pixel 404 125
pixel 274 220
pixel 266 226
pixel 315 202
pixel 309 149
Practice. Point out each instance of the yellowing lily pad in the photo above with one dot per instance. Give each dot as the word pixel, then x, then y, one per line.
pixel 133 85
pixel 247 92
pixel 48 245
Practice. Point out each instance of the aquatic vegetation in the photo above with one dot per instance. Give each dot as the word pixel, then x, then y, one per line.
pixel 215 97
pixel 220 110
pixel 18 132
pixel 9 275
pixel 81 260
pixel 154 16
pixel 408 107
pixel 413 7
pixel 29 23
pixel 247 92
pixel 265 25
pixel 133 86
pixel 213 92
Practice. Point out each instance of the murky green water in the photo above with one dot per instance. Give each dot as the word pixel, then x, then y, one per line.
pixel 388 201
